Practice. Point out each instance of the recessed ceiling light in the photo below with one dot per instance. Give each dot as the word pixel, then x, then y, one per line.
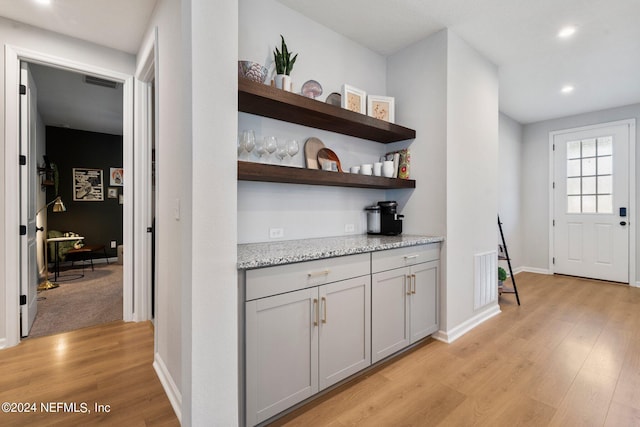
pixel 43 2
pixel 567 89
pixel 566 32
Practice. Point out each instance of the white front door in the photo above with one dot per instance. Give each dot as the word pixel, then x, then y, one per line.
pixel 591 202
pixel 28 192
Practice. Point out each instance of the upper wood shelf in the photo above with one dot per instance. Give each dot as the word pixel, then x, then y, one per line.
pixel 267 101
pixel 249 171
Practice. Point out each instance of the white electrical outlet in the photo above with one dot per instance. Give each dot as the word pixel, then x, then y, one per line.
pixel 349 228
pixel 276 233
pixel 113 244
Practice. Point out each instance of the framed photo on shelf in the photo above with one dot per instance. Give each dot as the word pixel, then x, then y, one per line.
pixel 354 99
pixel 381 107
pixel 87 185
pixel 112 193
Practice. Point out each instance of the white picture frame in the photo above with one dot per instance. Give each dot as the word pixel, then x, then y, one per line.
pixel 381 107
pixel 87 185
pixel 353 99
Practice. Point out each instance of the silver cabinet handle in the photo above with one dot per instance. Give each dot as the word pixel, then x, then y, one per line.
pixel 318 273
pixel 411 256
pixel 413 276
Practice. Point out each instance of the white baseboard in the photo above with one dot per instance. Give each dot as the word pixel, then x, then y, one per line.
pixel 535 270
pixel 455 333
pixel 3 343
pixel 635 285
pixel 170 388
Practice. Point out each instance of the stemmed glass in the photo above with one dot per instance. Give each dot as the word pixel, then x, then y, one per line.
pixel 292 147
pixel 270 144
pixel 247 142
pixel 260 149
pixel 281 151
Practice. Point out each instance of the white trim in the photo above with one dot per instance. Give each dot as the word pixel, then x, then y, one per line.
pixel 143 216
pixel 3 343
pixel 635 285
pixel 170 387
pixel 455 333
pixel 631 123
pixel 13 56
pixel 535 270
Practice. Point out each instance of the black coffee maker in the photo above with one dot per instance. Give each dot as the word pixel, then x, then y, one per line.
pixel 390 221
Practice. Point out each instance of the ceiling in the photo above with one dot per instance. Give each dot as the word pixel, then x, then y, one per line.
pixel 601 60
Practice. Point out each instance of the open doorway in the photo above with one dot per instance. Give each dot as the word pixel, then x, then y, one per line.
pixel 79 152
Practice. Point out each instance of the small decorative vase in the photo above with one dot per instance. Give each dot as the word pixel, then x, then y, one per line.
pixel 283 82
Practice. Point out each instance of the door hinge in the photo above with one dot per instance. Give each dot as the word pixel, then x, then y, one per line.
pixel 554 222
pixel 554 147
pixel 553 185
pixel 23 160
pixel 23 90
pixel 23 300
pixel 23 230
pixel 554 260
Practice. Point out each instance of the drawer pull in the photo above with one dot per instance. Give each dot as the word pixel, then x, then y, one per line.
pixel 408 257
pixel 316 312
pixel 318 273
pixel 324 305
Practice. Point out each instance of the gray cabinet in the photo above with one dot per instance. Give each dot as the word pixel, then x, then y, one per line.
pixel 404 298
pixel 302 341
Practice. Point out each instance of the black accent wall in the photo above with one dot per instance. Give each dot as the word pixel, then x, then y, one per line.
pixel 99 222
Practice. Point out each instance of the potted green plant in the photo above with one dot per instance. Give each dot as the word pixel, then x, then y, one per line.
pixel 284 64
pixel 502 276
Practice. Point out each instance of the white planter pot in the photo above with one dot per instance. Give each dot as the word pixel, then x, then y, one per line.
pixel 283 82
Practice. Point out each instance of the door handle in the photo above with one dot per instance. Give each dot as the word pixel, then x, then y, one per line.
pixel 316 314
pixel 623 223
pixel 324 305
pixel 408 288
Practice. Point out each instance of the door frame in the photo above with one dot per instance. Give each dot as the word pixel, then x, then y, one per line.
pixel 13 56
pixel 631 123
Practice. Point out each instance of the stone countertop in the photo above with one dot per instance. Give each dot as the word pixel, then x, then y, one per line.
pixel 268 254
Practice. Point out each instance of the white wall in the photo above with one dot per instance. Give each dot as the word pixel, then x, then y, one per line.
pixel 472 163
pixel 331 59
pixel 535 178
pixel 509 185
pixel 209 244
pixel 26 37
pixel 450 96
pixel 170 176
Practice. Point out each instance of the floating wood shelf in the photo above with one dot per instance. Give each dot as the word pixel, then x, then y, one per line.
pixel 267 101
pixel 249 171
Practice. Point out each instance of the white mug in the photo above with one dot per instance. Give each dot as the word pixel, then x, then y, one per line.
pixel 377 169
pixel 366 169
pixel 329 165
pixel 355 169
pixel 387 168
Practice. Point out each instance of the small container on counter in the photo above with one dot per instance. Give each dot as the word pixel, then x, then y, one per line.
pixel 373 219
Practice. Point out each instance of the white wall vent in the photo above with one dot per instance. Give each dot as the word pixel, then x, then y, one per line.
pixel 485 279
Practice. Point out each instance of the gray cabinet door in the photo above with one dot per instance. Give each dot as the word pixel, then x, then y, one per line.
pixel 389 313
pixel 424 300
pixel 345 329
pixel 281 352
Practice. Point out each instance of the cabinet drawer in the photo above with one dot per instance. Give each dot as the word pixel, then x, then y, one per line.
pixel 402 257
pixel 264 282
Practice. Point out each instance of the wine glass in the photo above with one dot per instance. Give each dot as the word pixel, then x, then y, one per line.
pixel 281 151
pixel 292 147
pixel 248 141
pixel 260 148
pixel 270 144
pixel 240 146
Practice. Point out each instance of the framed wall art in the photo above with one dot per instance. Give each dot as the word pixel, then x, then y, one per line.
pixel 87 185
pixel 381 107
pixel 354 99
pixel 112 193
pixel 116 176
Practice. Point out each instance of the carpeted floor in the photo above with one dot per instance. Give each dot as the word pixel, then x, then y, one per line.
pixel 78 303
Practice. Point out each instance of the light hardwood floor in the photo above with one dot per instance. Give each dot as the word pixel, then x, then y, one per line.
pixel 110 364
pixel 569 356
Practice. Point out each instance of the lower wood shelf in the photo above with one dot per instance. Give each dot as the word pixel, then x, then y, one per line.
pixel 249 171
